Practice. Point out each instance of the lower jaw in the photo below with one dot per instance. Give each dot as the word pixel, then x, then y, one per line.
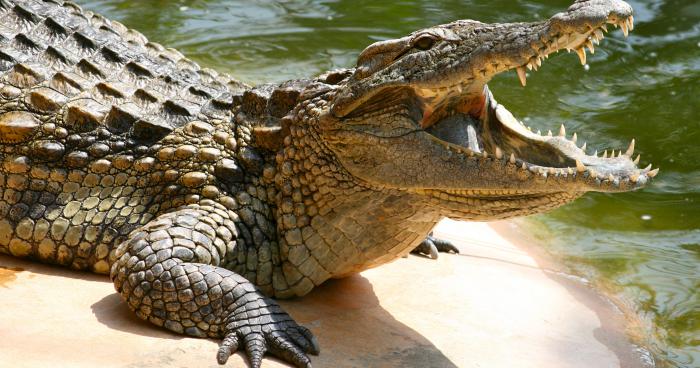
pixel 491 208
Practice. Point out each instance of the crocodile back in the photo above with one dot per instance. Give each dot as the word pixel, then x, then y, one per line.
pixel 89 118
pixel 81 72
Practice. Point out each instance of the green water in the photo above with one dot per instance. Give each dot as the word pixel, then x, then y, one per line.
pixel 645 244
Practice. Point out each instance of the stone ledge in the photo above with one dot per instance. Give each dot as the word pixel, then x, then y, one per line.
pixel 490 307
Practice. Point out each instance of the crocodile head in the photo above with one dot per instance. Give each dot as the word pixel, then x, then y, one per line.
pixel 416 115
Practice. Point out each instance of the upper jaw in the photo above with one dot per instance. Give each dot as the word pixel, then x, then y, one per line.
pixel 564 32
pixel 474 52
pixel 578 29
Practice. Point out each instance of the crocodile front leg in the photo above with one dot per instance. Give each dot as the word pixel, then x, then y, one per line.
pixel 431 246
pixel 167 272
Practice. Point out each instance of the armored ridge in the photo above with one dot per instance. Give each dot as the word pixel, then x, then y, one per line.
pixel 83 97
pixel 203 197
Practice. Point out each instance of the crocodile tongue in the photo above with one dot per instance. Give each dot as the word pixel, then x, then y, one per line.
pixel 459 129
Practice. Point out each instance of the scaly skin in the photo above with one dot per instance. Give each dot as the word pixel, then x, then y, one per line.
pixel 204 197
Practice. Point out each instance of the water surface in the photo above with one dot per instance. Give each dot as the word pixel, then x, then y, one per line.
pixel 644 246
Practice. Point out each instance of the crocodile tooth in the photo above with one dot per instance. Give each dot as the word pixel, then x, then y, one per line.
pixel 647 168
pixel 653 173
pixel 512 158
pixel 574 138
pixel 585 145
pixel 625 30
pixel 535 64
pixel 549 133
pixel 630 149
pixel 581 55
pixel 529 66
pixel 634 177
pixel 595 153
pixel 499 153
pixel 562 131
pixel 524 167
pixel 521 75
pixel 599 34
pixel 579 166
pixel 569 171
pixel 589 44
pixel 485 154
pixel 636 160
pixel 539 132
pixel 605 154
pixel 538 60
pixel 630 20
pixel 604 27
pixel 611 177
pixel 592 173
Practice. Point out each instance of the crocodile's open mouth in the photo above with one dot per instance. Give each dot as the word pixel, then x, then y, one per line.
pixel 476 125
pixel 494 132
pixel 426 95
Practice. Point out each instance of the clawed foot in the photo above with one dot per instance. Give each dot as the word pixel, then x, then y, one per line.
pixel 431 246
pixel 262 326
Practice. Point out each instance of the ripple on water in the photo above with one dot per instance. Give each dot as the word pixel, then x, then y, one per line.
pixel 658 272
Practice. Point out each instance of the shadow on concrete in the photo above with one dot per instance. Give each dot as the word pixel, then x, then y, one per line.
pixel 354 330
pixel 113 312
pixel 352 327
pixel 22 264
pixel 110 310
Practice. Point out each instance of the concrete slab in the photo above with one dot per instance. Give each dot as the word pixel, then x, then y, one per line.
pixel 492 306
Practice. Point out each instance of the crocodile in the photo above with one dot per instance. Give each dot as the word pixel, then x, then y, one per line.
pixel 205 199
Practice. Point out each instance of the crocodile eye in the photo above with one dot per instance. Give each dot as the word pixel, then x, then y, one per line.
pixel 424 43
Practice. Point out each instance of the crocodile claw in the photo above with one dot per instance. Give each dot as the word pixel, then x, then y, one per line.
pixel 274 331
